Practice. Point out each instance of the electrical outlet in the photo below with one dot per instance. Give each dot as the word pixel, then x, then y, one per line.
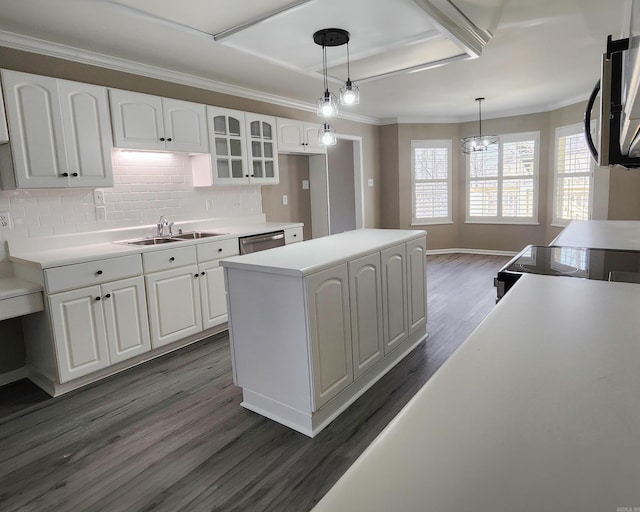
pixel 101 213
pixel 5 220
pixel 98 197
pixel 285 200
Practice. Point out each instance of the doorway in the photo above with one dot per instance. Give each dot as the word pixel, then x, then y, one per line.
pixel 336 188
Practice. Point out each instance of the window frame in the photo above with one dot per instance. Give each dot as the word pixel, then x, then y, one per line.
pixel 563 131
pixel 500 178
pixel 432 144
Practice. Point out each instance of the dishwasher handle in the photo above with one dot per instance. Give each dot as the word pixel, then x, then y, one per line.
pixel 261 238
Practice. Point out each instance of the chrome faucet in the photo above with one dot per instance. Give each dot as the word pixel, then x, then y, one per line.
pixel 162 222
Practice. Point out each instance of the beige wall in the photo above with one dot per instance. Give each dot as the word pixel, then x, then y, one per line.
pixel 293 170
pixel 389 172
pixel 624 194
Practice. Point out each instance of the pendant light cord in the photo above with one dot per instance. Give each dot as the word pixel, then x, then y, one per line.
pixel 480 117
pixel 348 66
pixel 324 67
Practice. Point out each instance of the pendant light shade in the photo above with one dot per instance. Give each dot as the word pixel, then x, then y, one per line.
pixel 349 92
pixel 327 135
pixel 478 142
pixel 327 104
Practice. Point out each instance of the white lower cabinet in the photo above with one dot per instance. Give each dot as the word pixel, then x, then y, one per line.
pixel 79 332
pixel 174 304
pixel 212 294
pixel 330 332
pixel 416 283
pixel 125 313
pixel 394 296
pixel 100 325
pixel 365 296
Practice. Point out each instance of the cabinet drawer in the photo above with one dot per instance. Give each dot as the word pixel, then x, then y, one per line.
pixel 292 235
pixel 169 258
pixel 92 272
pixel 218 249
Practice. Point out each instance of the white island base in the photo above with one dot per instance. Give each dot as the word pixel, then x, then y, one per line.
pixel 311 424
pixel 315 324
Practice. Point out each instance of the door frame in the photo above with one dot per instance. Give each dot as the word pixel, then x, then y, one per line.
pixel 358 176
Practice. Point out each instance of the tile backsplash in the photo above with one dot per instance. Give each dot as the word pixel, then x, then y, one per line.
pixel 146 185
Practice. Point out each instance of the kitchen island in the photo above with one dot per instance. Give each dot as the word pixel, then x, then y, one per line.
pixel 538 410
pixel 315 324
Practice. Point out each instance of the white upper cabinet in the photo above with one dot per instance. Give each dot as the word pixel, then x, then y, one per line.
pixel 262 149
pixel 144 121
pixel 244 150
pixel 4 133
pixel 298 137
pixel 59 130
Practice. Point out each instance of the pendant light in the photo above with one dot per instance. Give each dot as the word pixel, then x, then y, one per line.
pixel 328 102
pixel 349 92
pixel 327 135
pixel 478 142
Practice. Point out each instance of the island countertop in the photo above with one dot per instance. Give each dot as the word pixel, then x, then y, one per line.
pixel 538 410
pixel 319 253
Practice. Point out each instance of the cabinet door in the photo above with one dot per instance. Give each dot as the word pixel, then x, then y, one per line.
pixel 330 332
pixel 227 143
pixel 174 304
pixel 365 292
pixel 35 125
pixel 87 133
pixel 417 283
pixel 394 296
pixel 185 126
pixel 125 311
pixel 137 120
pixel 79 332
pixel 262 150
pixel 291 136
pixel 212 294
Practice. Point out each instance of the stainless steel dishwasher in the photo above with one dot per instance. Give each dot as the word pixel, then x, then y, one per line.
pixel 255 243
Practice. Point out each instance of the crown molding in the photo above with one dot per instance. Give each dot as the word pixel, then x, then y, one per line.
pixel 61 51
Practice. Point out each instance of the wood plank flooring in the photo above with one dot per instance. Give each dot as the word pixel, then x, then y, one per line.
pixel 170 435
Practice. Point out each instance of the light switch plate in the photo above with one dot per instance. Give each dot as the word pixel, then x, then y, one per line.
pixel 305 184
pixel 370 182
pixel 98 197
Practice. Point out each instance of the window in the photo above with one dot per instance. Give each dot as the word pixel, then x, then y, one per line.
pixel 573 189
pixel 502 182
pixel 431 181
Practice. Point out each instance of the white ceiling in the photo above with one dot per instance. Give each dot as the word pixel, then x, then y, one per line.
pixel 543 53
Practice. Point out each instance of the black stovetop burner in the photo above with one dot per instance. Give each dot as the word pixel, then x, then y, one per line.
pixel 599 264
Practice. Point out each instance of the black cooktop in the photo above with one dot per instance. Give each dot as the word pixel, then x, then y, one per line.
pixel 599 264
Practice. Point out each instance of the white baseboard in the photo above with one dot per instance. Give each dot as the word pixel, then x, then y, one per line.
pixel 13 376
pixel 486 252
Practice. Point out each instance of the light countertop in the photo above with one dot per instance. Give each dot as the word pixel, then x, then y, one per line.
pixel 539 410
pixel 601 234
pixel 320 253
pixel 54 251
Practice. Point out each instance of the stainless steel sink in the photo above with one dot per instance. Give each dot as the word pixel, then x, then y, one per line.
pixel 150 241
pixel 195 235
pixel 157 240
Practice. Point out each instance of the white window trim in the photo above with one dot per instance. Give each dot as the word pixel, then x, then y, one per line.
pixel 563 131
pixel 509 137
pixel 426 144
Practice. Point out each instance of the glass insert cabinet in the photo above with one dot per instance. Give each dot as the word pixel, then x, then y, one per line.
pixel 243 147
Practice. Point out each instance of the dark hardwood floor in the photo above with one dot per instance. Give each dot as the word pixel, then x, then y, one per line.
pixel 170 435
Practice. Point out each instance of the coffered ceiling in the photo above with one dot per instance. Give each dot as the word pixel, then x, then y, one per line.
pixel 422 60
